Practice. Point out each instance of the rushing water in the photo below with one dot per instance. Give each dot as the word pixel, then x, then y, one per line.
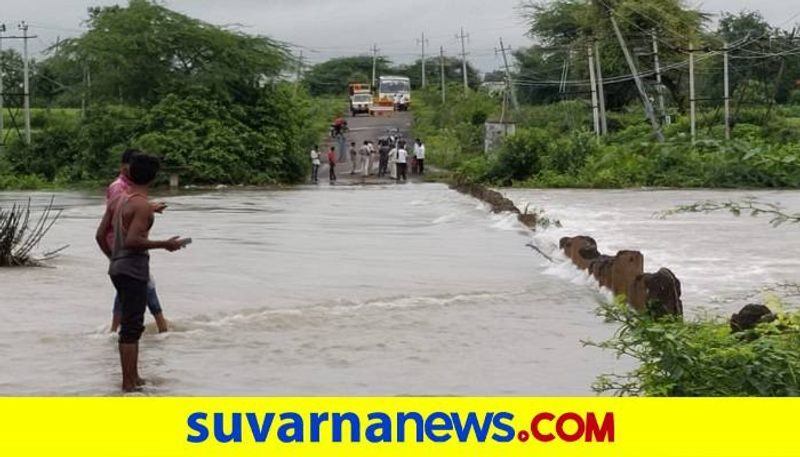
pixel 375 290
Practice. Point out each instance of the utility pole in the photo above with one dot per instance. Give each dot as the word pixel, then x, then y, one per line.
pixel 648 106
pixel 299 71
pixel 692 121
pixel 661 110
pixel 463 37
pixel 423 42
pixel 727 93
pixel 441 64
pixel 2 115
pixel 83 95
pixel 777 79
pixel 593 83
pixel 510 88
pixel 300 66
pixel 601 93
pixel 25 37
pixel 374 63
pixel 26 82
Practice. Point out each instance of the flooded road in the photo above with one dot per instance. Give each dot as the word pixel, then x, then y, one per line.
pixel 723 261
pixel 363 290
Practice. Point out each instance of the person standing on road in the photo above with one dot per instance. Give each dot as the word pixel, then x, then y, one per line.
pixel 129 269
pixel 373 157
pixel 120 187
pixel 383 153
pixel 393 161
pixel 353 158
pixel 364 153
pixel 402 160
pixel 332 165
pixel 315 163
pixel 419 153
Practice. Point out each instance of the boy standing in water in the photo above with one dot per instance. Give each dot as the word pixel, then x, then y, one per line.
pixel 121 186
pixel 131 220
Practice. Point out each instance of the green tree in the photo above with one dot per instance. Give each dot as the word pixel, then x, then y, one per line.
pixel 564 28
pixel 139 53
pixel 210 102
pixel 766 56
pixel 452 72
pixel 332 77
pixel 11 63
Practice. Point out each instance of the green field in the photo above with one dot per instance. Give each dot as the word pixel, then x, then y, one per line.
pixel 40 118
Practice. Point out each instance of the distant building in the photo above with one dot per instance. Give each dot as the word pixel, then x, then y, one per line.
pixel 494 82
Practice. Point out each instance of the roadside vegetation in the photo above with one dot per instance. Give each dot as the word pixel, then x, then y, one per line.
pixel 702 357
pixel 211 102
pixel 555 145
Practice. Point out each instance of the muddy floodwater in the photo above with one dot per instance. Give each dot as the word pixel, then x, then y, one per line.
pixel 376 290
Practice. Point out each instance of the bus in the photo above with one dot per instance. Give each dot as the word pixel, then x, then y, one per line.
pixel 397 89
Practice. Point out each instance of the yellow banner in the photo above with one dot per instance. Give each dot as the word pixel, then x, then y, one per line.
pixel 387 427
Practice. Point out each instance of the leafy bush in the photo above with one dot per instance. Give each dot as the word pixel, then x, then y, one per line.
pixel 51 149
pixel 205 140
pixel 554 147
pixel 520 157
pixel 702 357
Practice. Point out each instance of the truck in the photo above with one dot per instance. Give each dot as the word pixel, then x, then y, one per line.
pixel 360 99
pixel 396 89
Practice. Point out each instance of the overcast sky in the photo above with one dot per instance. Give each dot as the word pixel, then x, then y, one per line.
pixel 329 28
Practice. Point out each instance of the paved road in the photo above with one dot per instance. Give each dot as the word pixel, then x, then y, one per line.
pixel 364 128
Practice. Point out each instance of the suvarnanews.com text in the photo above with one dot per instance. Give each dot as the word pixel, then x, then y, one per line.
pixel 400 427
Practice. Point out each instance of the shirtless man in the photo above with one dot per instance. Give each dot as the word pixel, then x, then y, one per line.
pixel 119 187
pixel 131 220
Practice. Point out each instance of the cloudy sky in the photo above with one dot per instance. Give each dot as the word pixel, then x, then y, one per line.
pixel 329 28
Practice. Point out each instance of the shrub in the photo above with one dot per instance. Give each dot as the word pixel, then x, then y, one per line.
pixel 50 150
pixel 702 357
pixel 520 156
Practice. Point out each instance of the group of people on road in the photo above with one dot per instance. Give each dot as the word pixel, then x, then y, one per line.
pixel 390 155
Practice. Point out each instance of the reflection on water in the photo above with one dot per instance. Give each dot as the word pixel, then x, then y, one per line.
pixel 395 290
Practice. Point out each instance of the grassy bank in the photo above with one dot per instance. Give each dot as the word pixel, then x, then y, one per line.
pixel 554 147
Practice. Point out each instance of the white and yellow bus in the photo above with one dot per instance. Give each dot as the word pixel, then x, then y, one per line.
pixel 397 89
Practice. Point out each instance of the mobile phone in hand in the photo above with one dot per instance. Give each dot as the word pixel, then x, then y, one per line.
pixel 185 242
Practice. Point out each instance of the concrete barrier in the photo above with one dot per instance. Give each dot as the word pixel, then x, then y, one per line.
pixel 655 293
pixel 627 266
pixel 496 201
pixel 602 270
pixel 658 294
pixel 582 251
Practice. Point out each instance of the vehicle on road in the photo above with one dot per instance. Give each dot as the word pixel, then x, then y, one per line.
pixel 360 98
pixel 396 89
pixel 360 103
